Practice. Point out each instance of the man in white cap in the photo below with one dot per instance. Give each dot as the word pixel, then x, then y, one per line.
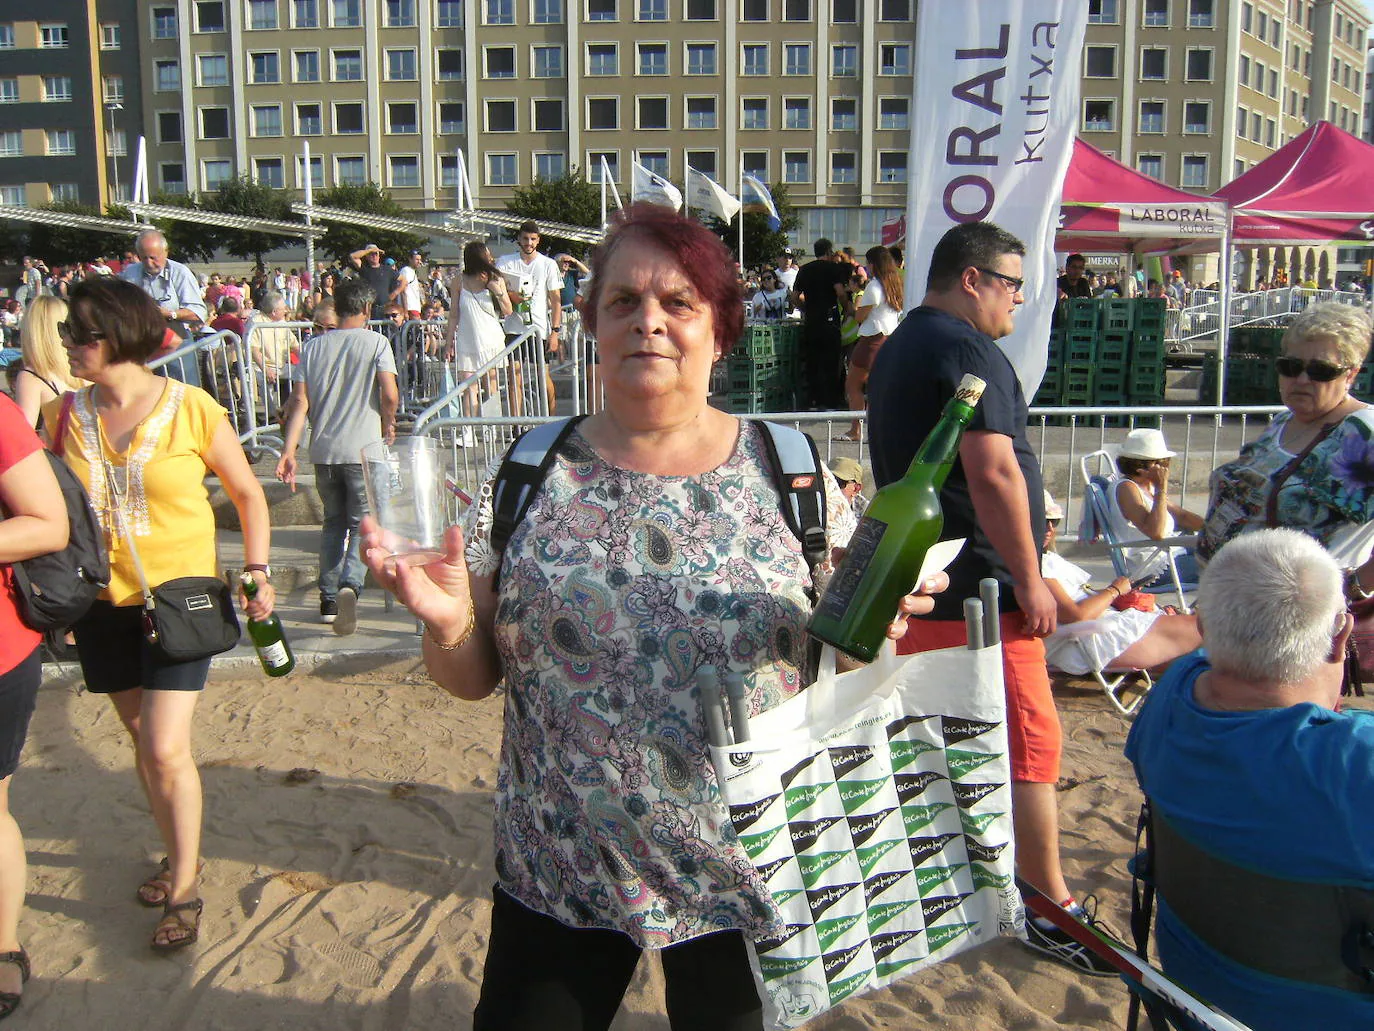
pixel 787 268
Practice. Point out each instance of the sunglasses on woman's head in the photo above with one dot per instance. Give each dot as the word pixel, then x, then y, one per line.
pixel 1318 371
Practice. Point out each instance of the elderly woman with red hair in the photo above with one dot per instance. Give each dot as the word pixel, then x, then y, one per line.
pixel 654 549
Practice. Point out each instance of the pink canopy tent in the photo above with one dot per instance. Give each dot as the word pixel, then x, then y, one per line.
pixel 1317 187
pixel 1108 206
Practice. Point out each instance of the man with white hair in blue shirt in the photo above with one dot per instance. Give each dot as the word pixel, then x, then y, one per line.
pixel 172 285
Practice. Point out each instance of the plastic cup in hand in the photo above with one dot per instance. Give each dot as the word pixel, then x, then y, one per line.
pixel 405 483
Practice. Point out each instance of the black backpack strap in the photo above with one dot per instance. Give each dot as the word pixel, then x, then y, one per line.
pixel 797 471
pixel 520 475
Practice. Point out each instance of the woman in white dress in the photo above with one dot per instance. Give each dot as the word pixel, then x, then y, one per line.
pixel 474 335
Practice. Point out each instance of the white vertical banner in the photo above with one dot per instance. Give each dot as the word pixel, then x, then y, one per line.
pixel 995 109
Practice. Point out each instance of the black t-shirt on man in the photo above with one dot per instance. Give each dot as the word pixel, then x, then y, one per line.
pixel 915 373
pixel 382 279
pixel 816 280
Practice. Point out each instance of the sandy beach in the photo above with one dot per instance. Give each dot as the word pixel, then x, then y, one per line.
pixel 349 864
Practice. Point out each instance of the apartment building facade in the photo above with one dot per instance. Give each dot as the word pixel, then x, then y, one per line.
pixel 67 68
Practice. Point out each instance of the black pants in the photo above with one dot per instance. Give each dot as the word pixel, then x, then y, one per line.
pixel 824 365
pixel 542 975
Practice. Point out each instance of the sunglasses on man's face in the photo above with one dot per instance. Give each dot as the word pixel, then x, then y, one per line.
pixel 1318 371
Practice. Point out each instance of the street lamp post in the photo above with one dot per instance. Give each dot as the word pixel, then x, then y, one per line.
pixel 111 107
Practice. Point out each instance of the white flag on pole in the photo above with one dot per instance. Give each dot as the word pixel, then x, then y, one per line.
pixel 652 187
pixel 704 192
pixel 996 104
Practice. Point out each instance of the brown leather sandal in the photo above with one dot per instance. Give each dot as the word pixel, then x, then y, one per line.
pixel 9 1001
pixel 153 892
pixel 173 921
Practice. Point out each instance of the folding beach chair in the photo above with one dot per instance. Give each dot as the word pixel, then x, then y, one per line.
pixel 1116 685
pixel 1097 469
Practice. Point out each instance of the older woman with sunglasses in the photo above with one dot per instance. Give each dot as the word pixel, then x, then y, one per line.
pixel 1313 468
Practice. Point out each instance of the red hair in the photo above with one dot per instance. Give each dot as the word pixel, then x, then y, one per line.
pixel 699 253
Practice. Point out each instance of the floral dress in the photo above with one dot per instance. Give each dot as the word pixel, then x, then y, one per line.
pixel 615 589
pixel 1331 491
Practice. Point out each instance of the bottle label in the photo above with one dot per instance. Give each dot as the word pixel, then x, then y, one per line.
pixel 274 654
pixel 863 546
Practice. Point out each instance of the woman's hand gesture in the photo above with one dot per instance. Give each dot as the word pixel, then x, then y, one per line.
pixel 437 593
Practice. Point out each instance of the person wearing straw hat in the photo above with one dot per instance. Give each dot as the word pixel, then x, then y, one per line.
pixel 1139 505
pixel 850 475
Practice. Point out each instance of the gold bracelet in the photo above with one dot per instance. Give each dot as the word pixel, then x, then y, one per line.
pixel 462 637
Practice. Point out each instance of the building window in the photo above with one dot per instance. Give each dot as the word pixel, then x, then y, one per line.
pixel 168 77
pixel 1102 12
pixel 551 165
pixel 701 59
pixel 13 195
pixel 897 10
pixel 547 62
pixel 891 166
pixel 1151 116
pixel 893 113
pixel 449 14
pixel 1201 14
pixel 448 171
pixel 400 14
pixel 1271 131
pixel 844 167
pixel 7 37
pixel 755 164
pixel 169 127
pixel 653 58
pixel 844 60
pixel 1099 62
pixel 307 65
pixel 316 172
pixel 501 170
pixel 270 173
pixel 262 14
pixel 844 114
pixel 754 10
pixel 498 62
pixel 346 14
pixel 1194 172
pixel 401 118
pixel 603 113
pixel 704 161
pixel 652 113
pixel 305 14
pixel 1273 90
pixel 266 119
pixel 112 88
pixel 212 70
pixel 11 143
pixel 602 10
pixel 500 115
pixel 265 67
pixel 796 166
pixel 451 117
pixel 655 161
pixel 400 65
pixel 164 22
pixel 548 115
pixel 171 177
pixel 894 59
pixel 1156 14
pixel 1255 123
pixel 754 113
pixel 652 10
pixel 603 58
pixel 350 171
pixel 66 192
pixel 309 120
pixel 59 87
pixel 52 37
pixel 217 172
pixel 1151 165
pixel 348 66
pixel 796 58
pixel 754 59
pixel 109 36
pixel 1197 117
pixel 699 10
pixel 348 119
pixel 61 142
pixel 1154 64
pixel 796 112
pixel 796 10
pixel 548 12
pixel 448 64
pixel 597 159
pixel 1199 67
pixel 117 143
pixel 9 91
pixel 701 112
pixel 1099 115
pixel 403 170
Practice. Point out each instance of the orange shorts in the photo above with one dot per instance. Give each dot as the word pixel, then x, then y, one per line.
pixel 1033 730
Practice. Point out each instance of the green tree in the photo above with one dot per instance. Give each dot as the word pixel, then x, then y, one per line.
pixel 63 245
pixel 762 245
pixel 186 241
pixel 569 198
pixel 246 196
pixel 343 238
pixel 14 239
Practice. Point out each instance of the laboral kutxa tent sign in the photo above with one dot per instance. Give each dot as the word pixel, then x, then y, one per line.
pixel 995 107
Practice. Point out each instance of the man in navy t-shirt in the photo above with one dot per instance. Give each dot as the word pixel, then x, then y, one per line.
pixel 994 498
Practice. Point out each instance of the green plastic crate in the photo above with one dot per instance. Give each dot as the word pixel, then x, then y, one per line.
pixel 1117 315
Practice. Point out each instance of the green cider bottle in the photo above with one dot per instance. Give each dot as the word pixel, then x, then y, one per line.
pixel 267 635
pixel 885 554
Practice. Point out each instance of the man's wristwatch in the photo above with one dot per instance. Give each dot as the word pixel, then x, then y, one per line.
pixel 258 567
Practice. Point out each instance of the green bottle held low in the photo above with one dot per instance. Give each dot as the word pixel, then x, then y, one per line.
pixel 885 554
pixel 267 635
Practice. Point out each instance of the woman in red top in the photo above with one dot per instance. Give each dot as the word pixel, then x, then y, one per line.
pixel 36 524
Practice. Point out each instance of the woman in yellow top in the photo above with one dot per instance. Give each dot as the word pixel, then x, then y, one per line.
pixel 145 444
